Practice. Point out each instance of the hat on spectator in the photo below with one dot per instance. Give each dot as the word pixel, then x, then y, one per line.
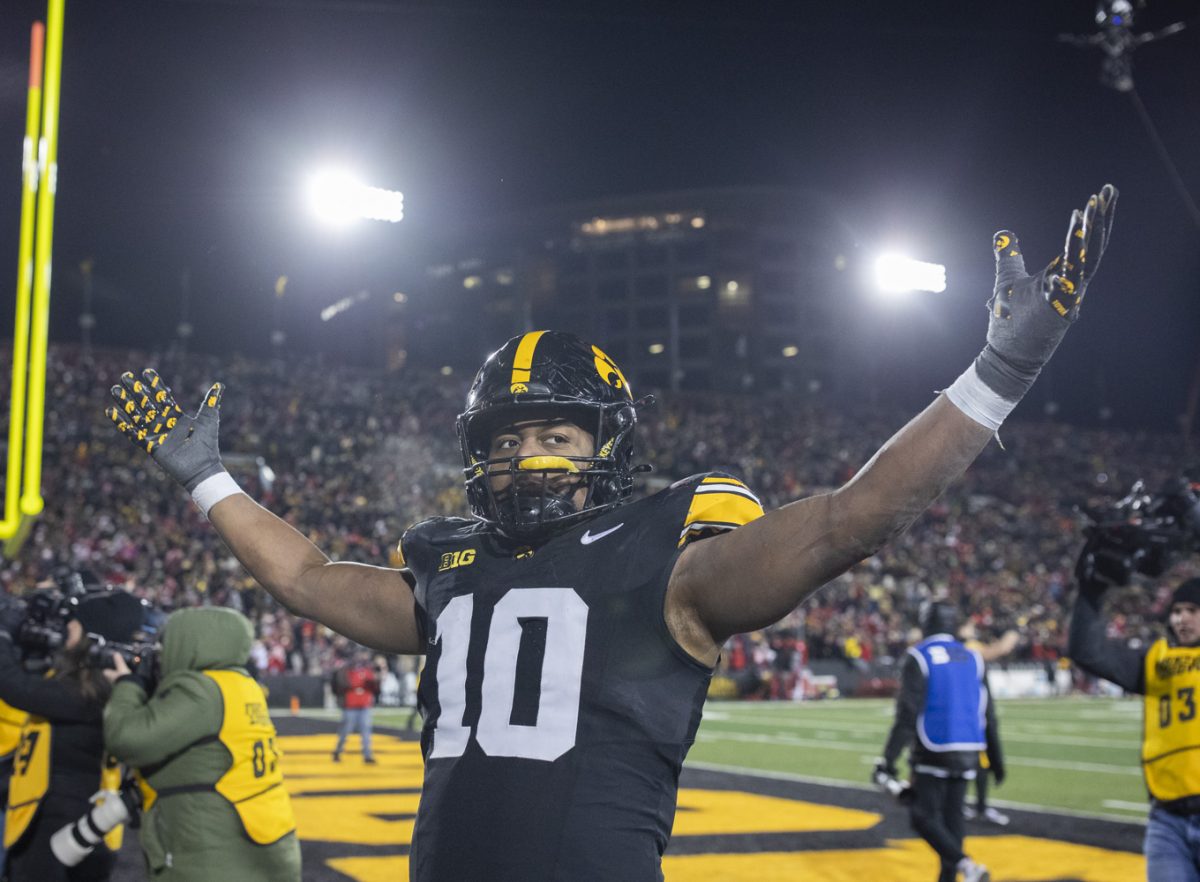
pixel 1188 592
pixel 114 615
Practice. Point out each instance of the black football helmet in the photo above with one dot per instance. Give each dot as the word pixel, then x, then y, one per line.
pixel 539 375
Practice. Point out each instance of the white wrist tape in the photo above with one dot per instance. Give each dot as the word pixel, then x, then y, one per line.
pixel 213 489
pixel 977 400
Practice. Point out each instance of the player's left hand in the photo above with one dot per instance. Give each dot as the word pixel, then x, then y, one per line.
pixel 1031 314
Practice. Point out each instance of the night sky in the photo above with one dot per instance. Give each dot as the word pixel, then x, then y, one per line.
pixel 187 127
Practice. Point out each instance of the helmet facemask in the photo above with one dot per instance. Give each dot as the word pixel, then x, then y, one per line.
pixel 542 495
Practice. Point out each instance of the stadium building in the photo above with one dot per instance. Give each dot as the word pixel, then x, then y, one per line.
pixel 728 289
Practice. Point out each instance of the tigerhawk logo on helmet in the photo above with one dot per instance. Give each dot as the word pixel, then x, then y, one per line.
pixel 538 375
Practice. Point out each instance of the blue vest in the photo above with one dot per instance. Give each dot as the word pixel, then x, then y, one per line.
pixel 953 717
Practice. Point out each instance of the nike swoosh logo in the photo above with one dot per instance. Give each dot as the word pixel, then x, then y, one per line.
pixel 588 538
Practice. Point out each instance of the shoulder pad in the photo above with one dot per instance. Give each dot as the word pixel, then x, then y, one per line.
pixel 418 544
pixel 435 530
pixel 719 503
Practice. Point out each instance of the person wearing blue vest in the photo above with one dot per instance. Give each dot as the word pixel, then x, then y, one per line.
pixel 944 712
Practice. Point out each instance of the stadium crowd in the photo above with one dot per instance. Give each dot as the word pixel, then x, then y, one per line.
pixel 353 457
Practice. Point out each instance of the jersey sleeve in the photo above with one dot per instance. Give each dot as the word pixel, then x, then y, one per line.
pixel 719 503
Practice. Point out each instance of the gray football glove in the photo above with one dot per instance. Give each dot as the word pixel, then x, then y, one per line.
pixel 1030 314
pixel 184 447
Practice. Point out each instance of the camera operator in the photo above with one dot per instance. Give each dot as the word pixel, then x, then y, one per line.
pixel 1148 534
pixel 1167 673
pixel 204 741
pixel 60 760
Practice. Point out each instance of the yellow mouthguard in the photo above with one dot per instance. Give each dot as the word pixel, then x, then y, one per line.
pixel 547 463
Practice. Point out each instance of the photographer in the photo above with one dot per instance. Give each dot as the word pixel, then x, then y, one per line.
pixel 203 740
pixel 1168 675
pixel 60 761
pixel 11 723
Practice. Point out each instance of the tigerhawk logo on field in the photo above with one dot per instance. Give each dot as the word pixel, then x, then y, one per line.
pixel 453 559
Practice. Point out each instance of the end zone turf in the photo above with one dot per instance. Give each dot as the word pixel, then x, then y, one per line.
pixel 355 823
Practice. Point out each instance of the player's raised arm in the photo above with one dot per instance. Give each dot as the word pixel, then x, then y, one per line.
pixel 370 605
pixel 753 576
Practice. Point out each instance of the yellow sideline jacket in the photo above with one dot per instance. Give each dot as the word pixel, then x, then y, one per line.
pixel 1171 721
pixel 254 782
pixel 11 723
pixel 31 779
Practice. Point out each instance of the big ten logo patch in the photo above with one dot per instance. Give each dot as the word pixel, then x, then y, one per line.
pixel 453 559
pixel 257 714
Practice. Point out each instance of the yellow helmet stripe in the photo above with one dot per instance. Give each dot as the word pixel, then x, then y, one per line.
pixel 523 360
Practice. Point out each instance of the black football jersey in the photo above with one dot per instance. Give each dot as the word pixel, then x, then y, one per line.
pixel 558 708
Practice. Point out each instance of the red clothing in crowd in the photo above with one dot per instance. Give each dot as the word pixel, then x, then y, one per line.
pixel 359 687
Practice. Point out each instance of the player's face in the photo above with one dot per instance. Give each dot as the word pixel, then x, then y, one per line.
pixel 547 437
pixel 1185 622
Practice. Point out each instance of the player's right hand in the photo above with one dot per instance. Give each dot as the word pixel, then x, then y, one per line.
pixel 184 447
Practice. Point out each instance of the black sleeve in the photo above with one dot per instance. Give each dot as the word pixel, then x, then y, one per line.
pixel 58 701
pixel 909 703
pixel 1100 655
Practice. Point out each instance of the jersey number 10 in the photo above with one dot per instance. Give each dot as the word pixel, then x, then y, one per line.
pixel 553 734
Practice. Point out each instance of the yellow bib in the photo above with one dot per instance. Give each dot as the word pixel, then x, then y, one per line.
pixel 1171 721
pixel 11 721
pixel 110 779
pixel 254 782
pixel 30 778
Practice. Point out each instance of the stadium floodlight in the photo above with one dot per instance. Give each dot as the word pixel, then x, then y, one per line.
pixel 895 274
pixel 338 197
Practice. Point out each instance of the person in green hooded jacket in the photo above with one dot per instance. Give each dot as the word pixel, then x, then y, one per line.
pixel 204 743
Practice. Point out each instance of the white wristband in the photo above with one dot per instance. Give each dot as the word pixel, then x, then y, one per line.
pixel 977 400
pixel 213 489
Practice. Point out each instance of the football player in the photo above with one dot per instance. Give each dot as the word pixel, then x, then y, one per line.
pixel 569 632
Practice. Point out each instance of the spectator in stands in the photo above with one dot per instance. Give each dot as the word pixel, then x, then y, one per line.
pixel 1007 526
pixel 356 686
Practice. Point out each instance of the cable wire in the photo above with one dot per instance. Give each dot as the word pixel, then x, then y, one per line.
pixel 1172 170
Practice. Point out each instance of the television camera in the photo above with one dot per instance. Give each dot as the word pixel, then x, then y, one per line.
pixel 1143 533
pixel 39 629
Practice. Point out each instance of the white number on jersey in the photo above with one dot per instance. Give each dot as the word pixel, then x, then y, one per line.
pixel 561 676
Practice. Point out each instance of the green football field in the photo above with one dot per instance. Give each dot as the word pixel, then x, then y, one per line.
pixel 1078 755
pixel 1074 754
